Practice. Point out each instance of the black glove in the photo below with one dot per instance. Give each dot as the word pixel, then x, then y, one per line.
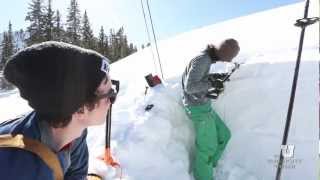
pixel 217 84
pixel 216 88
pixel 217 79
pixel 215 76
pixel 213 93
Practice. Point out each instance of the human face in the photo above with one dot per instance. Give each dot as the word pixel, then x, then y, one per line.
pixel 227 52
pixel 98 115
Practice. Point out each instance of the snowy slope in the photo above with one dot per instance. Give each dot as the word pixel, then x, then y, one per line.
pixel 158 144
pixel 254 104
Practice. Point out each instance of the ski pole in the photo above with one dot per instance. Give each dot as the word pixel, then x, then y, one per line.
pixel 302 23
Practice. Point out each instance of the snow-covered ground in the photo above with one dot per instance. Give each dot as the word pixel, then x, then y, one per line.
pixel 158 144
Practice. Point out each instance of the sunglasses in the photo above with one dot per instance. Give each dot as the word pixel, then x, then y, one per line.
pixel 112 93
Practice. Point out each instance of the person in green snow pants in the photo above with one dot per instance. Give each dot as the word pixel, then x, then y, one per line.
pixel 212 135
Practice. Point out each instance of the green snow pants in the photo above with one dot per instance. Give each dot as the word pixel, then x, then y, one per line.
pixel 212 136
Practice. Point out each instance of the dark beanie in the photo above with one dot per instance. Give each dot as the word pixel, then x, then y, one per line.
pixel 56 78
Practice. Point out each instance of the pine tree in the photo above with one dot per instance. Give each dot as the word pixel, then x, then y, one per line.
pixel 103 46
pixel 48 22
pixel 124 51
pixel 135 49
pixel 7 45
pixel 132 49
pixel 125 48
pixel 87 34
pixel 106 47
pixel 113 46
pixel 19 39
pixel 36 17
pixel 4 49
pixel 73 23
pixel 4 57
pixel 11 49
pixel 7 48
pixel 119 44
pixel 58 31
pixel 119 47
pixel 101 41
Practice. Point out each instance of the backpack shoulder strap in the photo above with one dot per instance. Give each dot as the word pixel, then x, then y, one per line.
pixel 35 147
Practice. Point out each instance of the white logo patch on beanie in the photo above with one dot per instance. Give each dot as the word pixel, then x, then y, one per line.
pixel 105 66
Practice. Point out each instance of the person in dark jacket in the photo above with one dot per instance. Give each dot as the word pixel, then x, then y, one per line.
pixel 212 135
pixel 69 89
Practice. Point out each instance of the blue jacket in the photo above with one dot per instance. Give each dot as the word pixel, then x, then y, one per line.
pixel 17 164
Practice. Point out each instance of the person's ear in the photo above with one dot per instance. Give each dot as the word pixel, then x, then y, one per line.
pixel 81 114
pixel 81 110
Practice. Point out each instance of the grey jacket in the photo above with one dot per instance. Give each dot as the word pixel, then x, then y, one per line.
pixel 195 83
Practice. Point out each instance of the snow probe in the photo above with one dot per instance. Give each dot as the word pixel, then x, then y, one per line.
pixel 302 23
pixel 107 158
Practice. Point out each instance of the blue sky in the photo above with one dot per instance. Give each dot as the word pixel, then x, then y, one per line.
pixel 170 17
